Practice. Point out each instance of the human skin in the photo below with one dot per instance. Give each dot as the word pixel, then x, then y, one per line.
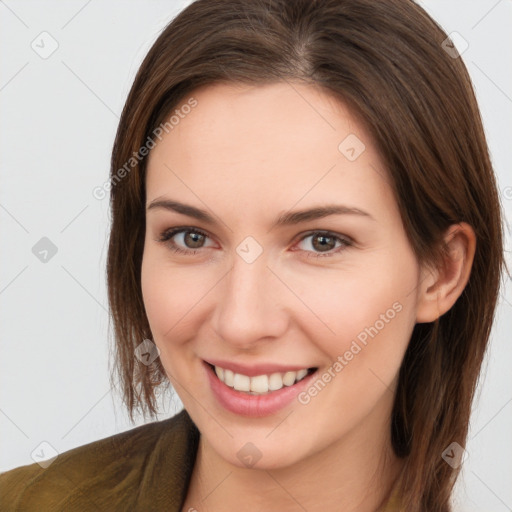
pixel 248 154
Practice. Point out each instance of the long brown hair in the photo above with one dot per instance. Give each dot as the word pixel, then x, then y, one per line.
pixel 387 61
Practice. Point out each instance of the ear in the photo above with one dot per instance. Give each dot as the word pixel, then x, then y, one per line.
pixel 440 287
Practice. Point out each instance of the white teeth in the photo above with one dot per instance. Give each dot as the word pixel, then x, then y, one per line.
pixel 228 378
pixel 301 374
pixel 275 382
pixel 289 378
pixel 259 384
pixel 241 382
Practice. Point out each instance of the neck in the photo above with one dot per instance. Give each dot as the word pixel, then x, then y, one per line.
pixel 354 474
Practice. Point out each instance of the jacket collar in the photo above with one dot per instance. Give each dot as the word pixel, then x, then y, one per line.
pixel 169 466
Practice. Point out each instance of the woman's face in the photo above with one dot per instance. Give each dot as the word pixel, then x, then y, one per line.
pixel 263 288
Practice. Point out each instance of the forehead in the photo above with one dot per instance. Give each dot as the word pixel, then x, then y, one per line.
pixel 243 117
pixel 282 143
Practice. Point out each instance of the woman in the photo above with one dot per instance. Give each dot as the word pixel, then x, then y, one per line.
pixel 306 243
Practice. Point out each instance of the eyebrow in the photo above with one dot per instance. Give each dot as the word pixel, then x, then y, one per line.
pixel 286 219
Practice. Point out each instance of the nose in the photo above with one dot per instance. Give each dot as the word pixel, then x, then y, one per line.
pixel 251 305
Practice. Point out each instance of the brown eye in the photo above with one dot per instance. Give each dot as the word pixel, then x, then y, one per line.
pixel 193 240
pixel 324 244
pixel 184 240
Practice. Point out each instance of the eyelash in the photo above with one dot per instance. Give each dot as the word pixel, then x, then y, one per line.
pixel 165 237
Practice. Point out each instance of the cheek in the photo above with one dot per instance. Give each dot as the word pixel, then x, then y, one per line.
pixel 168 298
pixel 366 312
pixel 168 294
pixel 372 314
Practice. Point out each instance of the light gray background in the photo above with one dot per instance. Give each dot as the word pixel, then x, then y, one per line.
pixel 59 117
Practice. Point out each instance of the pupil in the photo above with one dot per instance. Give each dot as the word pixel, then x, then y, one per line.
pixel 323 245
pixel 196 239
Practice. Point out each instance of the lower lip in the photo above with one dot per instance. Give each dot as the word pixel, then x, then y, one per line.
pixel 255 406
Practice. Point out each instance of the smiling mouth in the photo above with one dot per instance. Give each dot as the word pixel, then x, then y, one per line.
pixel 260 384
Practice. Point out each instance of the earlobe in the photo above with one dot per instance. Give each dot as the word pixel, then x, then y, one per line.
pixel 440 287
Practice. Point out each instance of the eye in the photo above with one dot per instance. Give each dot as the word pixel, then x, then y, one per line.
pixel 191 238
pixel 325 242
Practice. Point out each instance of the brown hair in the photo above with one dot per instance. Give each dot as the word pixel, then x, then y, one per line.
pixel 385 60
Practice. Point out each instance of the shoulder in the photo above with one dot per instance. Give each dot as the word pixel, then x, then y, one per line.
pixel 108 474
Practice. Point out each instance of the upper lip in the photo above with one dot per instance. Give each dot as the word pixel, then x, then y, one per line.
pixel 256 368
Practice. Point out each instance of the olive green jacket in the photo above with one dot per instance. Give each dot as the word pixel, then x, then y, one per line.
pixel 144 469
